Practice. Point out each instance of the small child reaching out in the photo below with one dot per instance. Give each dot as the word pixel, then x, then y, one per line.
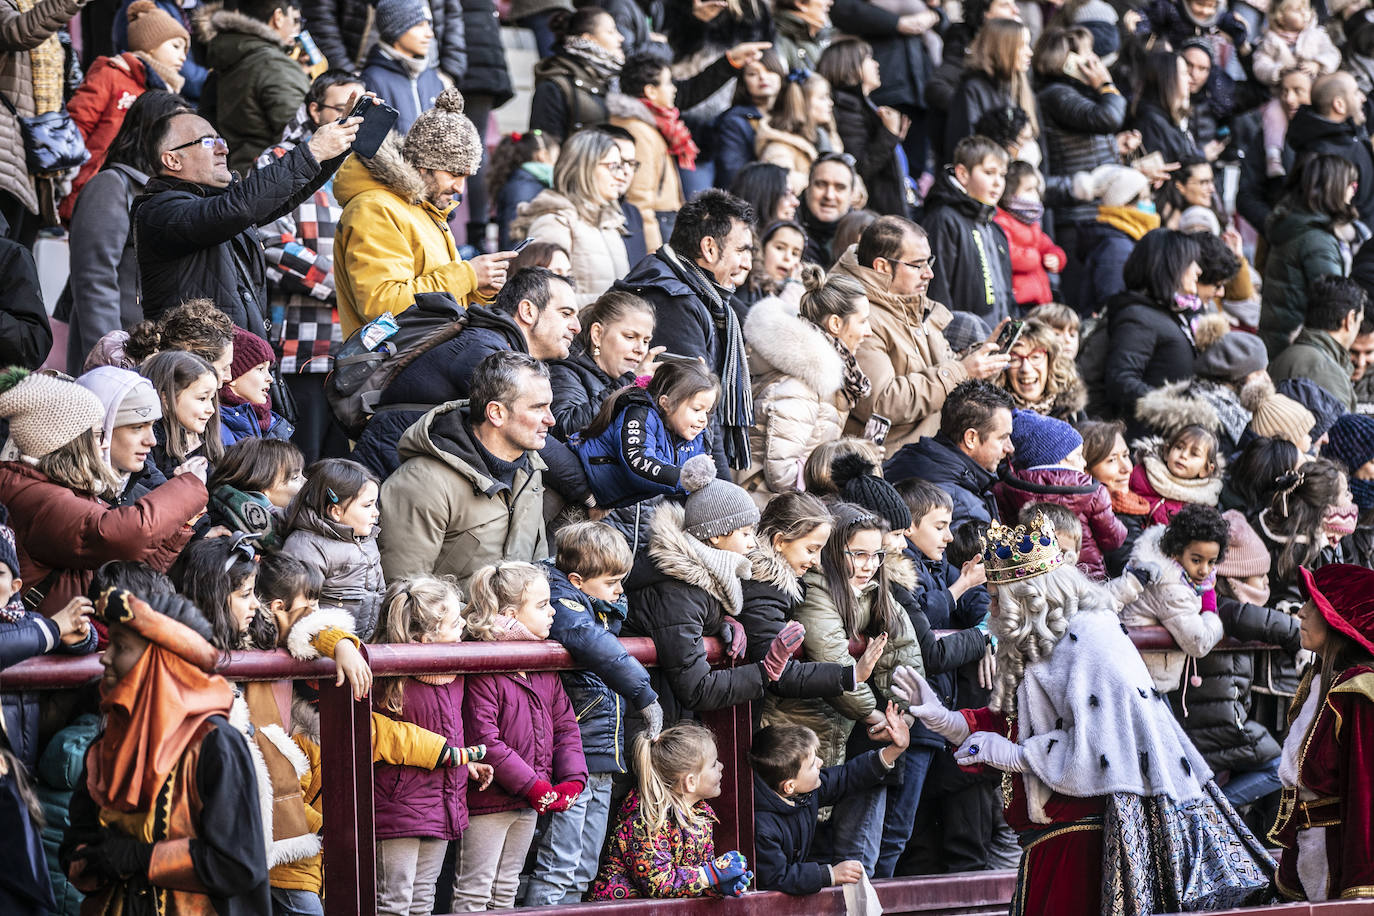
pixel 1181 596
pixel 1186 470
pixel 790 788
pixel 662 845
pixel 1034 255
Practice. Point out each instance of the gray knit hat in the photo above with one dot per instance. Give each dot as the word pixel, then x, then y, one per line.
pixel 714 507
pixel 443 138
pixel 1232 358
pixel 46 413
pixel 396 17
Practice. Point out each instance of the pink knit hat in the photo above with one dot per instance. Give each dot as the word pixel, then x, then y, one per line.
pixel 1246 555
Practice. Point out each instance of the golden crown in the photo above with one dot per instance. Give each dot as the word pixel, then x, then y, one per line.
pixel 1023 552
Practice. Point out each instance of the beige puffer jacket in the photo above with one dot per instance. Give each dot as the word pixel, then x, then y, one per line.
pixel 20 33
pixel 906 359
pixel 797 377
pixel 597 249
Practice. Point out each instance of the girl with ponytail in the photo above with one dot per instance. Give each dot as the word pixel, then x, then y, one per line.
pixel 662 844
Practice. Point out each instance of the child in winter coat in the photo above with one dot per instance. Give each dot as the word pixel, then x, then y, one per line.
pixel 790 788
pixel 419 809
pixel 332 525
pixel 1181 595
pixel 662 844
pixel 1293 39
pixel 1034 255
pixel 398 67
pixel 585 577
pixel 530 729
pixel 246 399
pixel 640 443
pixel 190 422
pixel 252 487
pixel 1048 466
pixel 1185 471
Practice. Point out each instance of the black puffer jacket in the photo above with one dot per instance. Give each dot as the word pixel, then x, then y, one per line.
pixel 1160 135
pixel 1150 346
pixel 579 389
pixel 862 131
pixel 1078 126
pixel 487 73
pixel 199 242
pixel 1310 133
pixel 340 29
pixel 978 93
pixel 903 59
pixel 1217 717
pixel 972 259
pixel 568 96
pixel 937 460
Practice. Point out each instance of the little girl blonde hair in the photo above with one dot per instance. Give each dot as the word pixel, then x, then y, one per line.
pixel 497 589
pixel 412 609
pixel 665 761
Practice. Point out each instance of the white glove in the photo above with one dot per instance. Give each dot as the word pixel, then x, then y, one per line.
pixel 923 703
pixel 992 749
pixel 653 718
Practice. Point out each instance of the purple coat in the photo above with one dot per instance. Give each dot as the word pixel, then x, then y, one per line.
pixel 414 802
pixel 530 732
pixel 1077 492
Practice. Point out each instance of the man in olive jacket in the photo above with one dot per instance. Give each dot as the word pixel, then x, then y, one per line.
pixel 470 488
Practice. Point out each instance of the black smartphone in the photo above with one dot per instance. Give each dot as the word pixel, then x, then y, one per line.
pixel 521 247
pixel 877 428
pixel 1011 333
pixel 378 119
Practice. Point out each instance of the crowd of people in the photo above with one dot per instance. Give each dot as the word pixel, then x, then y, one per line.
pixel 1021 327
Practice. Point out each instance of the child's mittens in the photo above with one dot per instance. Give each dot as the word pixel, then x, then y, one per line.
pixel 567 794
pixel 781 649
pixel 461 756
pixel 736 641
pixel 542 796
pixel 728 874
pixel 653 719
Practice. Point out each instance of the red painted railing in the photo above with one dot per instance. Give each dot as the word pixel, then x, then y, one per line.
pixel 346 755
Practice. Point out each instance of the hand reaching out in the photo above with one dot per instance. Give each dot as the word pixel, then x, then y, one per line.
pixel 924 703
pixel 863 669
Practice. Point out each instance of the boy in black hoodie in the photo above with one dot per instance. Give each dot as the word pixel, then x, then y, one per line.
pixel 971 260
pixel 790 788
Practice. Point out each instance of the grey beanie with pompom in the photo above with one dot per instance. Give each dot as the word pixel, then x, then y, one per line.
pixel 714 507
pixel 444 138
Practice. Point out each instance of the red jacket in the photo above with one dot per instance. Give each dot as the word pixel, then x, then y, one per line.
pixel 98 107
pixel 56 528
pixel 1029 244
pixel 1081 495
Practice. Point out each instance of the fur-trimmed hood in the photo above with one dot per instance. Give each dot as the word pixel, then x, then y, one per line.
pixel 620 105
pixel 550 201
pixel 1147 550
pixel 213 20
pixel 767 567
pixel 1205 490
pixel 1169 408
pixel 901 571
pixel 388 170
pixel 680 556
pixel 765 134
pixel 791 345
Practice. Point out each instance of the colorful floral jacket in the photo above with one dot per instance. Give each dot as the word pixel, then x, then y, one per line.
pixel 668 864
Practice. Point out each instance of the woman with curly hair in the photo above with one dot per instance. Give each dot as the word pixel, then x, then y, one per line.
pixel 1042 377
pixel 1100 780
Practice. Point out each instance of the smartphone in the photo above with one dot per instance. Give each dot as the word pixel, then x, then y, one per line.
pixel 378 119
pixel 877 428
pixel 1073 65
pixel 1011 333
pixel 521 247
pixel 1150 162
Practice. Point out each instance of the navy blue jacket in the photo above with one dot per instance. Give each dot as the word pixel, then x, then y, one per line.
pixel 636 457
pixel 735 135
pixel 521 187
pixel 33 634
pixel 1104 249
pixel 587 627
pixel 238 422
pixel 632 233
pixel 938 461
pixel 783 833
pixel 393 82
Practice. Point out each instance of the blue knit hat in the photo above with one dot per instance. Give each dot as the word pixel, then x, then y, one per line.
pixel 396 17
pixel 1041 440
pixel 1351 441
pixel 1325 406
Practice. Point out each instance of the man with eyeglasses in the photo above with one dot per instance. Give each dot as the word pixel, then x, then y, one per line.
pixel 195 225
pixel 909 364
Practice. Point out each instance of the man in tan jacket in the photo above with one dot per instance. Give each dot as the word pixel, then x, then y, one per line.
pixel 906 359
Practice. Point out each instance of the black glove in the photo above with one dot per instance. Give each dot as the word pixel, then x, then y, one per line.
pixel 116 857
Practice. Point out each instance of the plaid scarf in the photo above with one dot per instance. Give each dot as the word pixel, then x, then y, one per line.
pixel 679 138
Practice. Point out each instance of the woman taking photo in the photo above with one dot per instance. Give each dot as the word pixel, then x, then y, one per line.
pixel 611 350
pixel 873 134
pixel 1041 377
pixel 1312 233
pixel 570 87
pixel 581 213
pixel 1161 110
pixel 998 74
pixel 804 375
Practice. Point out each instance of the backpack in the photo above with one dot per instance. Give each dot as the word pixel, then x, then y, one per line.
pixel 372 356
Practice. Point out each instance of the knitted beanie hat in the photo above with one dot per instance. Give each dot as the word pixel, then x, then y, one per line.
pixel 396 17
pixel 1274 414
pixel 1041 440
pixel 1234 356
pixel 1118 185
pixel 1351 441
pixel 854 477
pixel 150 26
pixel 9 553
pixel 249 350
pixel 46 413
pixel 1245 554
pixel 1324 405
pixel 443 138
pixel 715 507
pixel 1199 219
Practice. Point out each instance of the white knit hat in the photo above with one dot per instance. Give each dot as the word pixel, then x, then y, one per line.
pixel 1118 185
pixel 46 413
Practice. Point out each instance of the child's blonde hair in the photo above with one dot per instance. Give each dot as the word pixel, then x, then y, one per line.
pixel 412 609
pixel 662 763
pixel 592 550
pixel 495 590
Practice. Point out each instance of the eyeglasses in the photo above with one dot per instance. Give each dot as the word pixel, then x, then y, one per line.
pixel 241 546
pixel 208 141
pixel 918 266
pixel 864 558
pixel 620 166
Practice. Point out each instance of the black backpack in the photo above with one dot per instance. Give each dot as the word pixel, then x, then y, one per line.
pixel 362 372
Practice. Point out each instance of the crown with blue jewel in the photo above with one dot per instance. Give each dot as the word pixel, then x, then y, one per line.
pixel 1023 552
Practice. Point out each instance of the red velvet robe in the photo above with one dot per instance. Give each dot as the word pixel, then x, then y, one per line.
pixel 1061 875
pixel 1337 760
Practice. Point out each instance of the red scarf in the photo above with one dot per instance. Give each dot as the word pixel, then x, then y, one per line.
pixel 679 138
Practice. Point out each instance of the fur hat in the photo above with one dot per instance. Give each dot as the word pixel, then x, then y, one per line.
pixel 714 507
pixel 249 350
pixel 396 17
pixel 46 413
pixel 1276 415
pixel 1323 404
pixel 1232 358
pixel 1041 440
pixel 1118 185
pixel 443 138
pixel 854 477
pixel 1245 554
pixel 150 26
pixel 1351 441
